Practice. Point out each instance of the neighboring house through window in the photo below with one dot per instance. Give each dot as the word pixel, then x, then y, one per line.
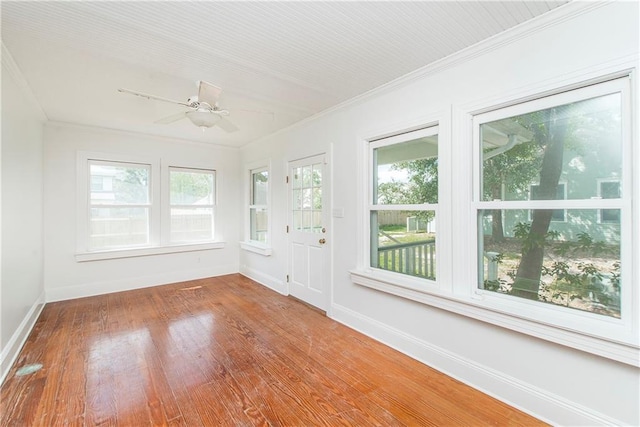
pixel 609 189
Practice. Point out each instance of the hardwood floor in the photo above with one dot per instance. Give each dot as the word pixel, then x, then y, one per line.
pixel 224 351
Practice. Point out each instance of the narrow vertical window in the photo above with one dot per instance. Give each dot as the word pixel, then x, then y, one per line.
pixel 119 205
pixel 258 206
pixel 404 201
pixel 192 199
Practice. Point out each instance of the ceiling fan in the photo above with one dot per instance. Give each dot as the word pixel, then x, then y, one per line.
pixel 203 112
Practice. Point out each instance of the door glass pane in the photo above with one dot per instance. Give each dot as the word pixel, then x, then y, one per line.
pixel 317 198
pixel 297 177
pixel 316 175
pixel 306 176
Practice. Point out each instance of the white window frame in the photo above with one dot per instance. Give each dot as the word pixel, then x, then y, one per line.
pixel 249 245
pixel 602 327
pixel 166 235
pixel 459 201
pixel 159 213
pixel 407 280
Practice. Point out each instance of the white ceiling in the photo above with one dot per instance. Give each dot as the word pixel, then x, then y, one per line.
pixel 277 62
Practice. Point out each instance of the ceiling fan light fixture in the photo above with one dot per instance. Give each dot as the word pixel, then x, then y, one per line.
pixel 203 119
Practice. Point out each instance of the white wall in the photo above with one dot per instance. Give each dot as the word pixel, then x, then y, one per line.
pixel 554 382
pixel 65 278
pixel 22 285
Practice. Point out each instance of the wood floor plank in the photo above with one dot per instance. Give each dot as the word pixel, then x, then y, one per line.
pixel 224 351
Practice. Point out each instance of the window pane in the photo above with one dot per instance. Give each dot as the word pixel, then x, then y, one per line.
pixel 404 242
pixel 610 190
pixel 118 227
pixel 316 175
pixel 306 176
pixel 191 224
pixel 259 188
pixel 407 173
pixel 119 184
pixel 297 177
pixel 258 224
pixel 576 143
pixel 574 264
pixel 191 187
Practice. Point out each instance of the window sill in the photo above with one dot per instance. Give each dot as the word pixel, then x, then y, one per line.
pixel 256 248
pixel 621 352
pixel 138 252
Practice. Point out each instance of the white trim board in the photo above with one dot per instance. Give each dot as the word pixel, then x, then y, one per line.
pixel 546 406
pixel 10 352
pixel 264 279
pixel 112 286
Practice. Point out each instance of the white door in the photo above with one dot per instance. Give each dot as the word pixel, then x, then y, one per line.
pixel 308 222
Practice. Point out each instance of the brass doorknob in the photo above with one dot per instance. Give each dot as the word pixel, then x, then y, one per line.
pixel 322 241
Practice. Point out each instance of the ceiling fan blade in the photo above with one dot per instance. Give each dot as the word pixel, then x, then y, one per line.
pixel 208 93
pixel 226 125
pixel 157 98
pixel 172 118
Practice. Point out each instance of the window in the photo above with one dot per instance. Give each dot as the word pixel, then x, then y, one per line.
pixel 136 206
pixel 258 206
pixel 119 205
pixel 192 202
pixel 609 189
pixel 552 250
pixel 404 203
pixel 546 186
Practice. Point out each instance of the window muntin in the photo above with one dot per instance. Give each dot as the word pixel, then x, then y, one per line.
pixel 119 205
pixel 561 194
pixel 258 206
pixel 191 205
pixel 575 137
pixel 403 203
pixel 609 189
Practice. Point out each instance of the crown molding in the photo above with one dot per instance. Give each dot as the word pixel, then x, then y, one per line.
pixel 9 65
pixel 52 124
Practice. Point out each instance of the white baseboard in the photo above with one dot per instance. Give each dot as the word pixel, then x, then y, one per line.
pixel 533 400
pixel 111 286
pixel 10 352
pixel 264 279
